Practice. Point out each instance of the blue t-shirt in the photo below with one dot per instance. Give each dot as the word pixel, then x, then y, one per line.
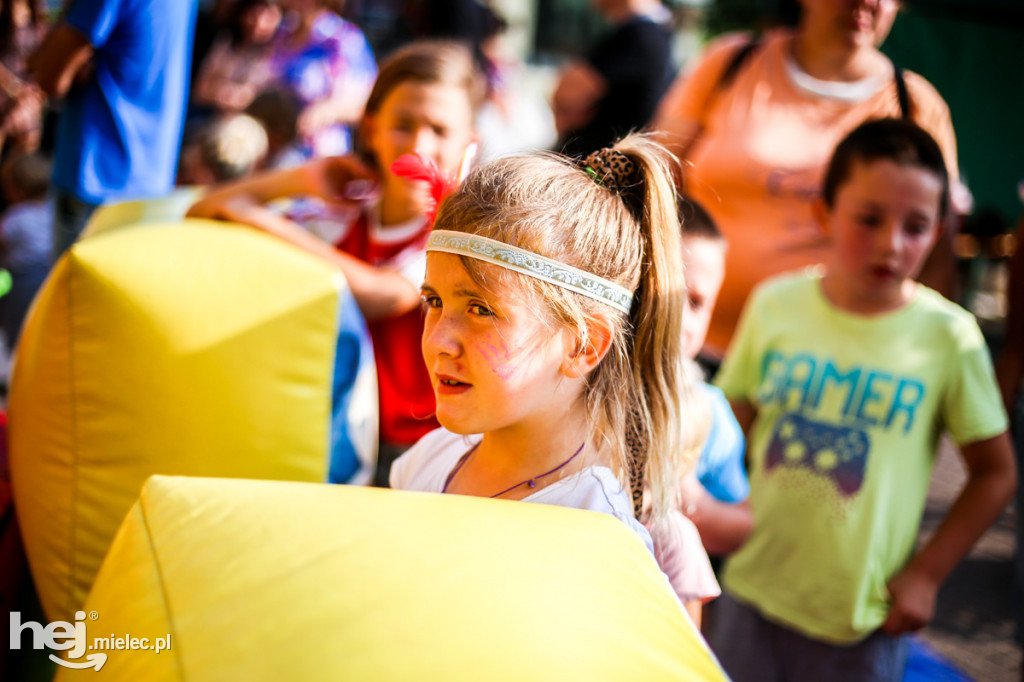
pixel 720 468
pixel 120 132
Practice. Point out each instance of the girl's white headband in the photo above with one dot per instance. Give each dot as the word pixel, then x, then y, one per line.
pixel 532 265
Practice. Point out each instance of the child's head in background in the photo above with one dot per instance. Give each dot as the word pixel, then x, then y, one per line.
pixel 25 177
pixel 885 195
pixel 228 148
pixel 277 110
pixel 254 22
pixel 424 100
pixel 508 350
pixel 704 266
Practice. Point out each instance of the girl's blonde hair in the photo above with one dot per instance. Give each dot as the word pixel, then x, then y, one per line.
pixel 552 206
pixel 429 62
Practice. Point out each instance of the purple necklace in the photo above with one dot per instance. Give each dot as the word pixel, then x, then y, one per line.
pixel 531 482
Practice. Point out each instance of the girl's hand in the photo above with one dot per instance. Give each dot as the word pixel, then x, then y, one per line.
pixel 338 179
pixel 912 597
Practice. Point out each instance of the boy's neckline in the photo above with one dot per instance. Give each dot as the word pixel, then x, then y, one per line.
pixel 836 307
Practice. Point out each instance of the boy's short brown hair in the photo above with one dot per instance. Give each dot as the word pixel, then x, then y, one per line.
pixel 697 222
pixel 887 139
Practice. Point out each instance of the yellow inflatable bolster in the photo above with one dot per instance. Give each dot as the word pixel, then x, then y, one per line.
pixel 191 348
pixel 260 580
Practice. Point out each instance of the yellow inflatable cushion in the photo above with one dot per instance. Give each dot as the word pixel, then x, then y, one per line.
pixel 187 348
pixel 259 580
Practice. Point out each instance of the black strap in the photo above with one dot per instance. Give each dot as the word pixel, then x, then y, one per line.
pixel 901 92
pixel 737 60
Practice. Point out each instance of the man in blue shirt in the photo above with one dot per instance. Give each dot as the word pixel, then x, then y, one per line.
pixel 123 66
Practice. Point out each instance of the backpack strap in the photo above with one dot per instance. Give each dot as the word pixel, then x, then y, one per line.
pixel 901 93
pixel 737 61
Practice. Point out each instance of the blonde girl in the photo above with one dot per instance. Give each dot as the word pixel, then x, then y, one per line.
pixel 554 295
pixel 423 101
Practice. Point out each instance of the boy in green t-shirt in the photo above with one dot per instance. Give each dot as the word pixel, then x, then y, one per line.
pixel 844 380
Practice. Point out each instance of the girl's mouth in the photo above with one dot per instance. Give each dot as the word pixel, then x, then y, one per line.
pixel 449 386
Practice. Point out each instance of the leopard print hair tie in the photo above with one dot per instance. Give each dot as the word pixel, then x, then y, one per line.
pixel 612 169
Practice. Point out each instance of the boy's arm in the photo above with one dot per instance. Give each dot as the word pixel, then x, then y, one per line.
pixel 991 481
pixel 379 293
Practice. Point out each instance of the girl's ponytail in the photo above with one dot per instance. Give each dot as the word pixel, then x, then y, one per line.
pixel 654 423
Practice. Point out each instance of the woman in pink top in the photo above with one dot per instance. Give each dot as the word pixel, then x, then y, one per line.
pixel 755 143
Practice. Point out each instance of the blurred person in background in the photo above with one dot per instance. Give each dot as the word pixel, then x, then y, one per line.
pixel 25 236
pixel 227 148
pixel 238 65
pixel 278 112
pixel 617 87
pixel 22 26
pixel 513 118
pixel 421 111
pixel 755 120
pixel 327 64
pixel 122 69
pixel 1010 372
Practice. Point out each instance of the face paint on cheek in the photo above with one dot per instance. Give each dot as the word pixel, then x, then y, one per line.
pixel 504 362
pixel 498 357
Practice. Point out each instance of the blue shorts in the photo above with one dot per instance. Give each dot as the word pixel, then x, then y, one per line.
pixel 752 649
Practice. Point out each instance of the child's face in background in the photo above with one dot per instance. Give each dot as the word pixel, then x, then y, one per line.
pixel 21 14
pixel 493 362
pixel 434 119
pixel 260 22
pixel 883 223
pixel 704 268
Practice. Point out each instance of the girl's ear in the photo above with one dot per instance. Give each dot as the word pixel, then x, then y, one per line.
pixel 821 212
pixel 588 351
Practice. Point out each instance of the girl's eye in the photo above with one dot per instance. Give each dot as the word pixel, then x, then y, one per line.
pixel 479 309
pixel 404 126
pixel 431 300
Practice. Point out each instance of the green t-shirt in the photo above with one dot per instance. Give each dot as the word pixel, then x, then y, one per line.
pixel 849 414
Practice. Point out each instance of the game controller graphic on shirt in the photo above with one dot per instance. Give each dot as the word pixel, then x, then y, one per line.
pixel 838 453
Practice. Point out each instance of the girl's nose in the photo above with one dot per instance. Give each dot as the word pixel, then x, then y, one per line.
pixel 441 336
pixel 425 143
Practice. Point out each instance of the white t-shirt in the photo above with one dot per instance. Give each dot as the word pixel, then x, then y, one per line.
pixel 426 466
